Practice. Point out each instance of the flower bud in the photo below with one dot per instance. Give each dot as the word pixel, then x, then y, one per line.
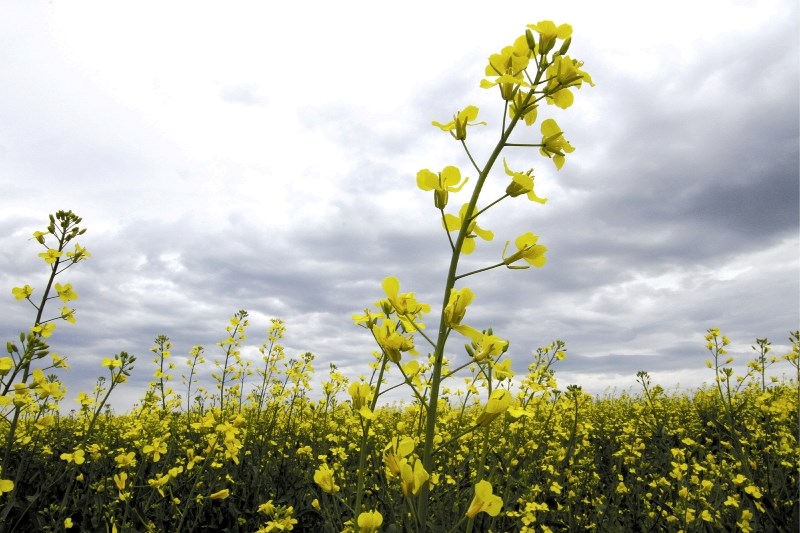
pixel 531 40
pixel 565 46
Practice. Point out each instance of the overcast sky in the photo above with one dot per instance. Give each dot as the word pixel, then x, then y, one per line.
pixel 241 155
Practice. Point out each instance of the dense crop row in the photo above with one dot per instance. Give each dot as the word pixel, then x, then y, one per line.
pixel 259 454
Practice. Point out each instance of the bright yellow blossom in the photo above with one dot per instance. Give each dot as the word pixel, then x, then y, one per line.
pixel 324 478
pixel 502 370
pixel 369 521
pixel 484 501
pixel 220 494
pixel 484 344
pixel 753 491
pixel 457 305
pixel 361 395
pixel 68 314
pixel 59 361
pixel 521 183
pixel 392 341
pixel 6 364
pixel 508 67
pixel 563 73
pixel 120 479
pixel 77 457
pixel 65 292
pixel 442 184
pixel 453 223
pixel 158 482
pixel 405 304
pixel 45 330
pixel 158 447
pixel 413 478
pixel 20 293
pixel 458 126
pixel 527 249
pixel 548 33
pixel 79 253
pixel 394 454
pixel 499 401
pixel 554 145
pixel 50 256
pixel 111 363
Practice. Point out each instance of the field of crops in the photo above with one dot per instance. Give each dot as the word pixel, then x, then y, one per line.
pixel 272 459
pixel 224 442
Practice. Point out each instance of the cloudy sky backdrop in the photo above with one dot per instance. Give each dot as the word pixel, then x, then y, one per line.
pixel 241 155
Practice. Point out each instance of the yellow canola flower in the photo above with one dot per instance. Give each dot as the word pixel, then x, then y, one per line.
pixel 220 494
pixel 394 454
pixel 40 235
pixel 458 126
pixel 361 394
pixel 457 305
pixel 753 491
pixel 565 72
pixel 527 249
pixel 484 501
pixel 68 315
pixel 324 478
pixel 65 292
pixel 158 482
pixel 6 485
pixel 77 457
pixel 59 361
pixel 369 521
pixel 453 223
pixel 120 479
pixel 111 363
pixel 50 256
pixel 84 399
pixel 368 318
pixel 158 447
pixel 413 479
pixel 521 183
pixel 502 370
pixel 79 253
pixel 404 304
pixel 485 346
pixel 6 364
pixel 20 293
pixel 548 33
pixel 45 330
pixel 499 401
pixel 442 184
pixel 554 145
pixel 508 67
pixel 392 341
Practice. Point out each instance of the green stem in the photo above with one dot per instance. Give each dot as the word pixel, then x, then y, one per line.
pixel 362 455
pixel 430 423
pixel 484 269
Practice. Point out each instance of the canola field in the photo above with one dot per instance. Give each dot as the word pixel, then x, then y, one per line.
pixel 223 442
pixel 273 459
